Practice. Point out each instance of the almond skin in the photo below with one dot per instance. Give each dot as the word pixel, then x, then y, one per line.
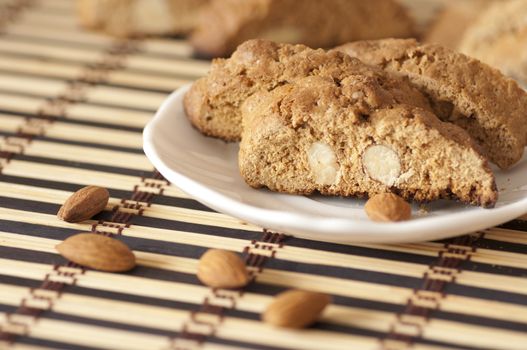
pixel 295 309
pixel 222 269
pixel 97 252
pixel 387 207
pixel 84 204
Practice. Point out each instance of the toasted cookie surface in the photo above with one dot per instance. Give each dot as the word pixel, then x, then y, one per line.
pixel 228 23
pixel 452 20
pixel 140 17
pixel 349 139
pixel 213 102
pixel 489 106
pixel 499 38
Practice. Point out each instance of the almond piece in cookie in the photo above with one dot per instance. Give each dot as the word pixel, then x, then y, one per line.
pixel 213 102
pixel 228 23
pixel 489 106
pixel 315 135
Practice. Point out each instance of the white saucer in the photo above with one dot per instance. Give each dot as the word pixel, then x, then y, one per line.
pixel 206 169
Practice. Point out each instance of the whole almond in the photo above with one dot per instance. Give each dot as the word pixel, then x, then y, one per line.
pixel 84 204
pixel 222 269
pixel 295 309
pixel 97 252
pixel 387 207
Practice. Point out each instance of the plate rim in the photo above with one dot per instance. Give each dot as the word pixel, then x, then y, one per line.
pixel 335 229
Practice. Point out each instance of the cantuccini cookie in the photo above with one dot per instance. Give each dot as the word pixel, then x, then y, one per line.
pixel 489 106
pixel 499 38
pixel 452 20
pixel 227 23
pixel 140 17
pixel 347 138
pixel 213 102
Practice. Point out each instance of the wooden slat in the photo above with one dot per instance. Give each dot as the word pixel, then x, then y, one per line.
pixel 46 51
pixel 18 103
pixel 9 123
pixel 78 111
pixel 146 81
pixel 188 68
pixel 50 33
pixel 125 97
pixel 505 235
pixel 39 67
pixel 167 47
pixel 159 46
pixel 51 19
pixel 109 115
pixel 31 85
pixel 70 71
pixel 161 318
pixel 78 176
pixel 166 290
pixel 88 155
pixel 154 211
pixel 47 87
pixel 303 255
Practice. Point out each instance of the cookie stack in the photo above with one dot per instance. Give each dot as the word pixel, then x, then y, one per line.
pixel 140 17
pixel 365 118
pixel 494 32
pixel 219 26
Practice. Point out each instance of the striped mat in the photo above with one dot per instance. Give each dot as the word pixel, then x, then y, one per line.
pixel 72 108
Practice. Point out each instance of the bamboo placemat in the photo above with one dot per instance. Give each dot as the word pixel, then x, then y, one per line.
pixel 72 108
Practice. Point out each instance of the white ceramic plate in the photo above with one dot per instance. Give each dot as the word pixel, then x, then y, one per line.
pixel 207 170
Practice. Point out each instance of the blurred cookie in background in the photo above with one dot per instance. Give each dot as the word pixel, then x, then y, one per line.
pixel 227 23
pixel 140 17
pixel 452 20
pixel 499 38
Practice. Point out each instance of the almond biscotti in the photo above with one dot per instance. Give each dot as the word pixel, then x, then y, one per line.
pixel 489 106
pixel 499 38
pixel 213 102
pixel 227 23
pixel 452 20
pixel 140 17
pixel 346 138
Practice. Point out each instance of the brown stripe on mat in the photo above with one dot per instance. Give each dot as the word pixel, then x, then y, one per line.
pixel 141 199
pixel 409 325
pixel 33 127
pixel 10 11
pixel 204 322
pixel 41 299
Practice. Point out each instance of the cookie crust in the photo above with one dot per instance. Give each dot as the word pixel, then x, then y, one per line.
pixel 489 106
pixel 213 102
pixel 436 159
pixel 228 23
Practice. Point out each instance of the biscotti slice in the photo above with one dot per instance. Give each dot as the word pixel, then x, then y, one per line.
pixel 489 106
pixel 315 135
pixel 140 17
pixel 213 102
pixel 499 38
pixel 452 20
pixel 227 23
